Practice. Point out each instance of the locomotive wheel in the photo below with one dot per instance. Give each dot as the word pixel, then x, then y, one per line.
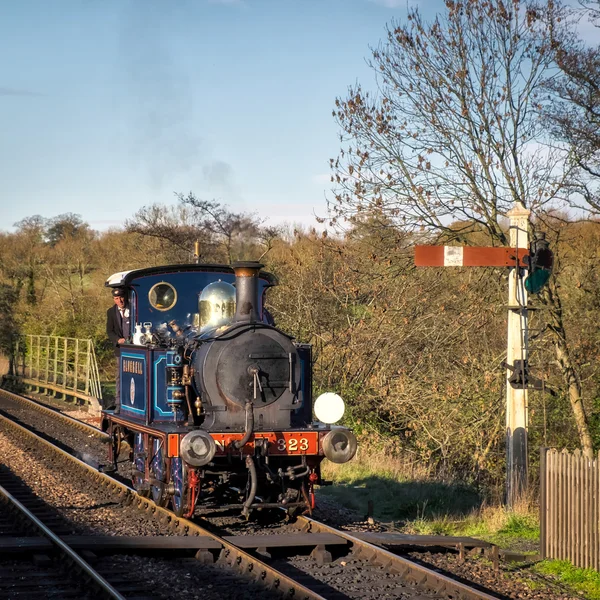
pixel 159 495
pixel 139 466
pixel 179 499
pixel 116 439
pixel 157 471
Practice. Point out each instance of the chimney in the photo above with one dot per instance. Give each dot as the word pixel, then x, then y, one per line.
pixel 246 291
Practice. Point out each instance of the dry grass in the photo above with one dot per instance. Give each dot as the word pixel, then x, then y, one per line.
pixel 398 488
pixel 369 461
pixel 402 491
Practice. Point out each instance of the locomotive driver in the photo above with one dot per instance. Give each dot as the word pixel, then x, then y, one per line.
pixel 117 330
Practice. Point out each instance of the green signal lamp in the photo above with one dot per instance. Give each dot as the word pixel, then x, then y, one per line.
pixel 541 261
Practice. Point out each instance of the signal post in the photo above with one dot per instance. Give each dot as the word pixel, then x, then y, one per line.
pixel 517 259
pixel 517 420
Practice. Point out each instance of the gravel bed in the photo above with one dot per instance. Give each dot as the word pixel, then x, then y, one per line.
pixel 354 578
pixel 509 581
pixel 90 507
pixel 349 577
pixel 32 581
pixel 328 511
pixel 94 511
pixel 345 577
pixel 74 409
pixel 86 446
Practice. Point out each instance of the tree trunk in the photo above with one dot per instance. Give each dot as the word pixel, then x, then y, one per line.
pixel 567 368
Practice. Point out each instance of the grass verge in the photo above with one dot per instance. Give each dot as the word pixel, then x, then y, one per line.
pixel 402 494
pixel 585 581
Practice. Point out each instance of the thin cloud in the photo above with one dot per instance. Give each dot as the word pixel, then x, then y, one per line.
pixel 321 178
pixel 392 3
pixel 4 91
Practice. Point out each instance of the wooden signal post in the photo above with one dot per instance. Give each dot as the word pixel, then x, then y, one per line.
pixel 517 339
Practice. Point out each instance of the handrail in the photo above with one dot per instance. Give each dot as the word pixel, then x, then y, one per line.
pixel 64 365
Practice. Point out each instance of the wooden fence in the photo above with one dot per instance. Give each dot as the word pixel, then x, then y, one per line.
pixel 570 507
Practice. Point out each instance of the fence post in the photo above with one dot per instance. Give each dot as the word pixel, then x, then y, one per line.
pixel 543 502
pixel 75 383
pixel 29 356
pixel 65 364
pixel 596 513
pixel 37 360
pixel 47 357
pixel 55 378
pixel 87 369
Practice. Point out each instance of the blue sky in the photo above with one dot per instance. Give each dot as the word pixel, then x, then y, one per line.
pixel 110 105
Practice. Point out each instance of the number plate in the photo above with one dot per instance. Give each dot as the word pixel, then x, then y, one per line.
pixel 280 442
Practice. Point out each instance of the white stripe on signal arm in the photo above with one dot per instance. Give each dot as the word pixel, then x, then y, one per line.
pixel 453 256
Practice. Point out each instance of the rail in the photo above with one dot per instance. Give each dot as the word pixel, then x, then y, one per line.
pixel 54 413
pixel 237 558
pixel 234 550
pixel 86 570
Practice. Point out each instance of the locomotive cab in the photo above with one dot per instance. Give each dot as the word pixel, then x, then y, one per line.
pixel 215 401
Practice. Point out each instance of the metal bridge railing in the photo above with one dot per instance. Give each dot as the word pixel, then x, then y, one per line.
pixel 64 365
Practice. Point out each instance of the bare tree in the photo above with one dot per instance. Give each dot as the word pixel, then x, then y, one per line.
pixel 175 225
pixel 574 113
pixel 222 233
pixel 221 223
pixel 453 133
pixel 453 136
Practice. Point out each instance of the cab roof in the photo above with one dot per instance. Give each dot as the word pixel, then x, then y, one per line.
pixel 125 278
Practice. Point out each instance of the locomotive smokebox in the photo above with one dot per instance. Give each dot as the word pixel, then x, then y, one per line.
pixel 246 291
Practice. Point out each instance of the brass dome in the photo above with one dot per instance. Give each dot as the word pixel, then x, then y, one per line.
pixel 216 305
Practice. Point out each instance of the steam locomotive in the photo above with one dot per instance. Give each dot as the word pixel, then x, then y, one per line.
pixel 215 400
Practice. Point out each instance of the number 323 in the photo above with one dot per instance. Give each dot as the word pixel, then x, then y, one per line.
pixel 292 445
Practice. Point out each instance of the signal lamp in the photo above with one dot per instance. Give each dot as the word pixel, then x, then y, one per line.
pixel 541 261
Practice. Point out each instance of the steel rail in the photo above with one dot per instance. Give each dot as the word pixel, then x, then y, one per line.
pixel 419 574
pixel 416 572
pixel 237 558
pixel 54 539
pixel 31 403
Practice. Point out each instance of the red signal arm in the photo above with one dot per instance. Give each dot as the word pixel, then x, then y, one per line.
pixel 469 256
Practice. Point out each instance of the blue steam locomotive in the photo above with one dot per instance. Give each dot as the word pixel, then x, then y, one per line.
pixel 215 400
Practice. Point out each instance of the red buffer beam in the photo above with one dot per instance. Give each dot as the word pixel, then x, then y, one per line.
pixel 469 256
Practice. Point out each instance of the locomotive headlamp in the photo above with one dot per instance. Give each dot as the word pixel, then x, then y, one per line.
pixel 329 408
pixel 197 448
pixel 339 445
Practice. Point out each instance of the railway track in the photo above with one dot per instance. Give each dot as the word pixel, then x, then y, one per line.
pixel 51 566
pixel 54 413
pixel 292 563
pixel 204 543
